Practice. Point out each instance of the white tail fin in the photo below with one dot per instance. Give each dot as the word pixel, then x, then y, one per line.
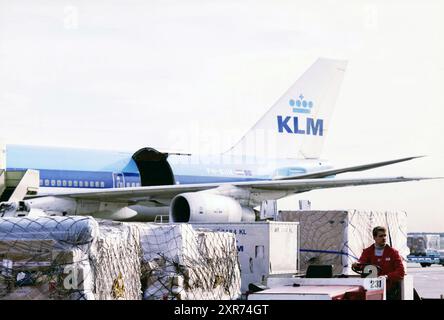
pixel 297 124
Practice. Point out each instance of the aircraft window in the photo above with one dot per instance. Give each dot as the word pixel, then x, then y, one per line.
pixel 59 183
pixel 133 184
pixel 97 184
pixel 81 184
pixel 128 185
pixel 41 182
pixel 75 183
pixel 102 184
pixel 64 183
pixel 91 184
pixel 69 183
pixel 53 183
pixel 86 184
pixel 47 182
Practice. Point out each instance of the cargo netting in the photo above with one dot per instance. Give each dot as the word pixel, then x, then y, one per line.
pixel 338 237
pixel 83 258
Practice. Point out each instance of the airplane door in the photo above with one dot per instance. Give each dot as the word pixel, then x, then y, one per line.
pixel 118 180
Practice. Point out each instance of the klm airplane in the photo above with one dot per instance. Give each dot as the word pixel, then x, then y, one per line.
pixel 278 157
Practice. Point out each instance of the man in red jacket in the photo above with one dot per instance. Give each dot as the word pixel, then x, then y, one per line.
pixel 387 259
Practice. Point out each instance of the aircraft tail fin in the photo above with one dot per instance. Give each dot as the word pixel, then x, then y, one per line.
pixel 297 124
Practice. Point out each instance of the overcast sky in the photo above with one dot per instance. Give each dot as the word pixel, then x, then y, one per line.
pixel 172 74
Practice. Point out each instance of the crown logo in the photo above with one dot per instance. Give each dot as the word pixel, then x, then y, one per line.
pixel 301 105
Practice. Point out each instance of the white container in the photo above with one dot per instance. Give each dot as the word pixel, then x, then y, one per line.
pixel 265 248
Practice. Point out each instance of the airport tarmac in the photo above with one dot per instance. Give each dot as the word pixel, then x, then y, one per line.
pixel 429 282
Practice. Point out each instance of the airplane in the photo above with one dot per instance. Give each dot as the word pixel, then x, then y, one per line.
pixel 278 157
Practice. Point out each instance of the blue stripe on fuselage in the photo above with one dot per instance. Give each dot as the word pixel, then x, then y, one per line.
pixel 105 180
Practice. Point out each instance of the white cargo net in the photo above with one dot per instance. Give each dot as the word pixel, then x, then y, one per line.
pixel 81 258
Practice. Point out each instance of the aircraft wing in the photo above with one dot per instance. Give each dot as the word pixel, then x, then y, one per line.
pixel 134 195
pixel 332 172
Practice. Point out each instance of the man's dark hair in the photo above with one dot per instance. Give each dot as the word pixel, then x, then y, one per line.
pixel 378 229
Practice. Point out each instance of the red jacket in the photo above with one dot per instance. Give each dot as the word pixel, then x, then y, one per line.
pixel 390 263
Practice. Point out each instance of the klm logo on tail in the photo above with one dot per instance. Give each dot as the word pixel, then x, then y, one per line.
pixel 296 124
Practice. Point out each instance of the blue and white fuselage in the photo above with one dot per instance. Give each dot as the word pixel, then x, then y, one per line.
pixel 62 169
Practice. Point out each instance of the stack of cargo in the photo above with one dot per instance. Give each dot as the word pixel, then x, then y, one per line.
pixel 181 263
pixel 116 262
pixel 338 237
pixel 82 258
pixel 67 258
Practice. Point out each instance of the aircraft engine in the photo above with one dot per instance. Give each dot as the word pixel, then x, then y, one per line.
pixel 205 207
